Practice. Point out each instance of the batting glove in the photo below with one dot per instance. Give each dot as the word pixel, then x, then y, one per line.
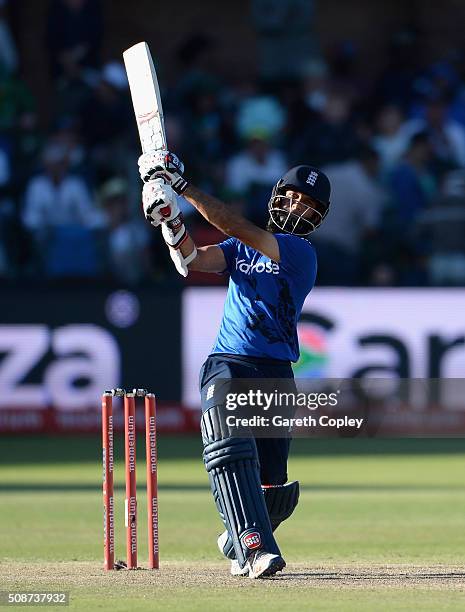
pixel 163 165
pixel 161 208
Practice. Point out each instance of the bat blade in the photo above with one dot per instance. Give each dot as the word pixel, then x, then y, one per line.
pixel 145 94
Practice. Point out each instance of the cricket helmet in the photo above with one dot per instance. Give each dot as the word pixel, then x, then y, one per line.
pixel 293 216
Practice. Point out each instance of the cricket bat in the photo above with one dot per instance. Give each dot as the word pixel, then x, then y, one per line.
pixel 145 94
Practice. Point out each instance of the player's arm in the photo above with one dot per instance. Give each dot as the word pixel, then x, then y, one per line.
pixel 209 258
pixel 161 209
pixel 166 166
pixel 232 224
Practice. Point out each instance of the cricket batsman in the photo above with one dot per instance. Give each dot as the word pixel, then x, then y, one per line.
pixel 271 271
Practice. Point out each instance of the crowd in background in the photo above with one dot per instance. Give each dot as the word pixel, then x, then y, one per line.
pixel 393 147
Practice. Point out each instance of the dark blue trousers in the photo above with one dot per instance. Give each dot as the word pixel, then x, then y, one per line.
pixel 272 452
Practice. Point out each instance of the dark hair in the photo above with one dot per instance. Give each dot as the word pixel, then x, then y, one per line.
pixel 367 153
pixel 420 138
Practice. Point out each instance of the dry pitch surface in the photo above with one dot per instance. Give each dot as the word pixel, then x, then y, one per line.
pixel 67 575
pixel 188 586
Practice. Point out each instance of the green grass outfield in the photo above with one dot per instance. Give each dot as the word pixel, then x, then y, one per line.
pixel 380 525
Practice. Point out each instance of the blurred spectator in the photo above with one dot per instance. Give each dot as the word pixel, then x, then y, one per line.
pixel 316 84
pixel 343 59
pixel 6 214
pixel 8 51
pixel 411 181
pixel 196 99
pixel 19 142
pixel 286 36
pixel 106 115
pixel 260 113
pixel 67 134
pixel 5 171
pixel 74 36
pixel 229 127
pixel 196 57
pixel 457 97
pixel 128 238
pixel 16 101
pixel 62 217
pixel 438 82
pixel 404 54
pixel 23 147
pixel 440 232
pixel 444 78
pixel 71 95
pixel 391 137
pixel 210 133
pixel 19 137
pixel 331 139
pixel 105 121
pixel 357 202
pixel 251 174
pixel 303 100
pixel 447 137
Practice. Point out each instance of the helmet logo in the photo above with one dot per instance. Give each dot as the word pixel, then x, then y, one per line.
pixel 311 179
pixel 298 215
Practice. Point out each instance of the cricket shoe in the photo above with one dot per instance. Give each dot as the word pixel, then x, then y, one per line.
pixel 262 564
pixel 236 569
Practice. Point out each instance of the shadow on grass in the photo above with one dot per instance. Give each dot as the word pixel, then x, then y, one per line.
pixel 387 576
pixel 74 449
pixel 185 487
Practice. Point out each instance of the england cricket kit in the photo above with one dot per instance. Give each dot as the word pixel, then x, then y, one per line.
pixel 257 339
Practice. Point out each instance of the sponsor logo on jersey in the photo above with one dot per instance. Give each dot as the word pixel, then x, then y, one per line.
pixel 260 267
pixel 251 540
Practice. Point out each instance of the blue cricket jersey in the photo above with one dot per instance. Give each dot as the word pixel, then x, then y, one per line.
pixel 265 298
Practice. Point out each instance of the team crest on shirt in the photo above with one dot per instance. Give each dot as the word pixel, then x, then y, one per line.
pixel 259 267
